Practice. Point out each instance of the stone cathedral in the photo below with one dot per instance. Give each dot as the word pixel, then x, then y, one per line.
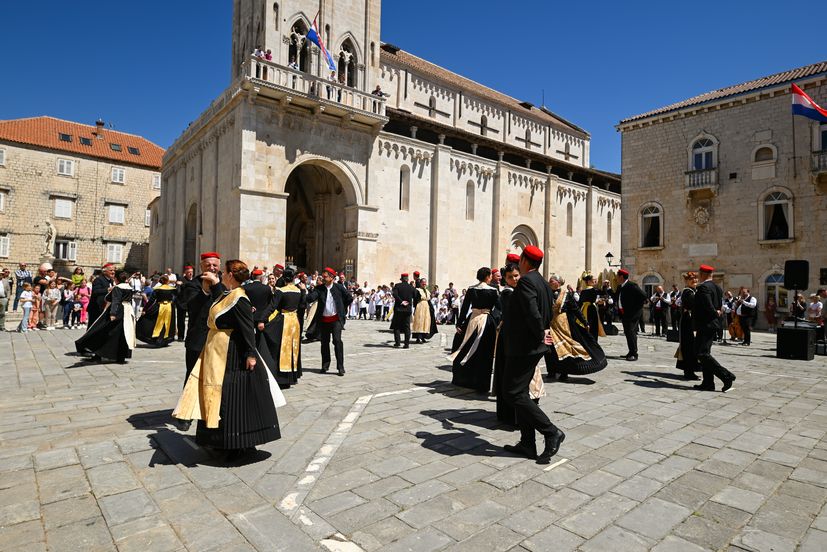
pixel 440 174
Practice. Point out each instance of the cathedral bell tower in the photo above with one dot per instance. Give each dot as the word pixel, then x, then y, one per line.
pixel 349 30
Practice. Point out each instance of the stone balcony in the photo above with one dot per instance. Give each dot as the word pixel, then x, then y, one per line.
pixel 297 88
pixel 820 167
pixel 701 183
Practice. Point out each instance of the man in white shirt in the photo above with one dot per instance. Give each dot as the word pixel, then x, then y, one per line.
pixel 172 277
pixel 5 293
pixel 746 310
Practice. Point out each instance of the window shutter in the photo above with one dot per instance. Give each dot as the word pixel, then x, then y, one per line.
pixel 4 246
pixel 72 251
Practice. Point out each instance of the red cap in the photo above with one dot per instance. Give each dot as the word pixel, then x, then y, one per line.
pixel 533 252
pixel 108 265
pixel 416 273
pixel 330 271
pixel 279 267
pixel 404 275
pixel 706 268
pixel 512 258
pixel 257 272
pixel 300 274
pixel 210 255
pixel 493 270
pixel 623 272
pixel 188 267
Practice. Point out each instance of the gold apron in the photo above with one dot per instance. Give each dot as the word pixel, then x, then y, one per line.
pixel 422 314
pixel 201 399
pixel 290 336
pixel 564 344
pixel 164 321
pixel 585 311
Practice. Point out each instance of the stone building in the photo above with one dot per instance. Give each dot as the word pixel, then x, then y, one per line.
pixel 730 178
pixel 75 194
pixel 442 174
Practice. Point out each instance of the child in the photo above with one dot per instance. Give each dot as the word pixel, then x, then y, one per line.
pixel 26 301
pixel 51 303
pixel 76 310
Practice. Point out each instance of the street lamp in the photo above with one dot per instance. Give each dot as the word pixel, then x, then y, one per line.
pixel 609 258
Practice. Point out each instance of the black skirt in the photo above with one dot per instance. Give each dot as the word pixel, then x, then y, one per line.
pixel 506 414
pixel 270 341
pixel 580 366
pixel 476 373
pixel 145 326
pixel 104 338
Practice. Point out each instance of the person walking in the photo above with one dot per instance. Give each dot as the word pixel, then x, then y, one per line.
pixel 526 340
pixel 630 300
pixel 403 298
pixel 706 318
pixel 333 299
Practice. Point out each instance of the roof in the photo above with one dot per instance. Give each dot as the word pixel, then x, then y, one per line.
pixel 45 132
pixel 757 84
pixel 393 54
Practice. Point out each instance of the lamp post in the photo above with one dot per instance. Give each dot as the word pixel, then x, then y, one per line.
pixel 609 258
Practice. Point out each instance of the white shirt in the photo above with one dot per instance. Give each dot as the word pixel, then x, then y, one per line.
pixel 329 305
pixel 619 305
pixel 3 291
pixel 751 302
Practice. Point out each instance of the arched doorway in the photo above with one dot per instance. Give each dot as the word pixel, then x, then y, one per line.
pixel 190 234
pixel 317 222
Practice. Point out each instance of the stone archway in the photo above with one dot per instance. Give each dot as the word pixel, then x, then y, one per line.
pixel 320 227
pixel 521 237
pixel 191 235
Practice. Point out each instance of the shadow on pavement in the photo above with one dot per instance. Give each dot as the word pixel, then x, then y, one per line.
pixel 647 374
pixel 450 390
pixel 658 384
pixel 461 440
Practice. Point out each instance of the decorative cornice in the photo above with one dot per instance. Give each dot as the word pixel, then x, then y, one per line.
pixel 462 166
pixel 608 202
pixel 564 191
pixel 406 152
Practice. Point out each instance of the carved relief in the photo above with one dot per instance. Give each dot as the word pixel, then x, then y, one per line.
pixel 569 192
pixel 701 216
pixel 463 167
pixel 402 151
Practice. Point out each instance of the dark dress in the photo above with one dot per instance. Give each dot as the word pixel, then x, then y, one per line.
pixel 283 335
pixel 575 351
pixel 107 338
pixel 588 302
pixel 505 411
pixel 473 356
pixel 156 326
pixel 688 361
pixel 246 416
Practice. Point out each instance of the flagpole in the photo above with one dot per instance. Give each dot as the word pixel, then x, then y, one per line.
pixel 792 123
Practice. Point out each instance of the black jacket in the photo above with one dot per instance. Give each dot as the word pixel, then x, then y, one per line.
pixel 341 298
pixel 708 300
pixel 403 291
pixel 528 316
pixel 261 298
pixel 97 299
pixel 632 299
pixel 197 303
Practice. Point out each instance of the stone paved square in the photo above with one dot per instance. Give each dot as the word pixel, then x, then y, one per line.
pixel 393 457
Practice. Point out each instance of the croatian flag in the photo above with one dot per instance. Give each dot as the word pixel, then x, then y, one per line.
pixel 314 37
pixel 804 105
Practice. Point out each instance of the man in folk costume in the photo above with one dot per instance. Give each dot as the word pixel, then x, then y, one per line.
pixel 706 318
pixel 589 297
pixel 278 272
pixel 100 288
pixel 630 300
pixel 333 299
pixel 403 297
pixel 196 296
pixel 261 299
pixel 181 313
pixel 529 317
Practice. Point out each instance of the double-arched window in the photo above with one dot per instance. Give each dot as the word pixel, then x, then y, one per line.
pixel 703 154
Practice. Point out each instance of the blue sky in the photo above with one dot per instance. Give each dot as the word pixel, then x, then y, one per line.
pixel 151 67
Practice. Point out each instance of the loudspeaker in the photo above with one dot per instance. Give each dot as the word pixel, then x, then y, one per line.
pixel 796 343
pixel 673 335
pixel 797 275
pixel 610 329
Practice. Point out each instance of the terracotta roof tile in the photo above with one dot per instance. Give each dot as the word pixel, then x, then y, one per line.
pixel 392 54
pixel 763 82
pixel 45 132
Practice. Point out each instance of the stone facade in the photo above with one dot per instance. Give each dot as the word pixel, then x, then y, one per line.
pixel 31 186
pixel 752 201
pixel 442 176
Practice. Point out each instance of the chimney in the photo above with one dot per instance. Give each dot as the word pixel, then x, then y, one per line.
pixel 99 124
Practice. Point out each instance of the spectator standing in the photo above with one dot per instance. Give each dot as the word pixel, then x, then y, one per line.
pixel 82 294
pixel 77 276
pixel 26 301
pixel 22 275
pixel 68 303
pixel 51 304
pixel 770 312
pixel 5 293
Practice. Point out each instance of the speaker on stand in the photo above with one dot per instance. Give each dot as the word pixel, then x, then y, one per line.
pixel 794 342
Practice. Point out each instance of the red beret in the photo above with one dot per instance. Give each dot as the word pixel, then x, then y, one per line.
pixel 493 270
pixel 330 271
pixel 108 265
pixel 706 268
pixel 257 272
pixel 416 273
pixel 300 274
pixel 210 255
pixel 187 267
pixel 512 258
pixel 404 275
pixel 278 266
pixel 533 252
pixel 623 272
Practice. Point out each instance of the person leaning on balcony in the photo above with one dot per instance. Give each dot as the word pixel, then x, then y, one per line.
pixel 293 64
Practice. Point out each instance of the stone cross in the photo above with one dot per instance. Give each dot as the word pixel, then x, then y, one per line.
pixel 432 110
pixel 484 128
pixel 567 152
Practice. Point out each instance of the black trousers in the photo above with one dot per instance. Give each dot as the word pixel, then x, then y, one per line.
pixel 675 315
pixel 405 322
pixel 642 323
pixel 746 325
pixel 630 326
pixel 704 339
pixel 530 418
pixel 326 330
pixel 192 357
pixel 181 321
pixel 660 321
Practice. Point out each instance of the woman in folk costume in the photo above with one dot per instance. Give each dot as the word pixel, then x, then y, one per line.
pixel 473 356
pixel 573 349
pixel 283 332
pixel 589 303
pixel 687 360
pixel 156 326
pixel 310 332
pixel 112 335
pixel 505 412
pixel 230 391
pixel 423 326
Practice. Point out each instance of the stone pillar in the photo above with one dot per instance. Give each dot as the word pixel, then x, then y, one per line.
pixel 439 167
pixel 589 231
pixel 547 224
pixel 413 131
pixel 496 223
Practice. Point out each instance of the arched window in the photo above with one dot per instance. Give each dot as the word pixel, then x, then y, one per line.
pixel 609 226
pixel 483 125
pixel 569 219
pixel 777 216
pixel 764 154
pixel 650 283
pixel 276 15
pixel 299 50
pixel 347 64
pixel 651 226
pixel 373 54
pixel 703 157
pixel 469 200
pixel 405 188
pixel 777 291
pixel 431 106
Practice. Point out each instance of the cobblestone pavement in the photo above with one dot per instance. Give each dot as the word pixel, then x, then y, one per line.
pixel 392 457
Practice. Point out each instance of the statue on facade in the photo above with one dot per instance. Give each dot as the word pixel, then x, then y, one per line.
pixel 51 236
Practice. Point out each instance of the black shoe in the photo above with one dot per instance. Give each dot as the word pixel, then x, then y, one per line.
pixel 563 377
pixel 727 384
pixel 522 449
pixel 341 372
pixel 553 443
pixel 406 346
pixel 690 376
pixel 396 345
pixel 323 371
pixel 704 387
pixel 631 358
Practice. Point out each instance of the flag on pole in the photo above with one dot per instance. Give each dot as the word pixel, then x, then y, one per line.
pixel 314 37
pixel 805 106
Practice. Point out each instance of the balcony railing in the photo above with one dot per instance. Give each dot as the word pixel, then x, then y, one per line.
pixel 702 180
pixel 820 162
pixel 290 80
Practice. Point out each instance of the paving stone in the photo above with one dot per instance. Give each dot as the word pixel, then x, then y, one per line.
pixel 156 539
pixel 617 540
pixel 55 459
pixel 814 541
pixel 748 501
pixel 654 518
pixel 234 499
pixel 62 483
pixel 495 538
pixel 89 535
pixel 420 493
pixel 530 521
pixel 552 538
pixel 760 541
pixel 677 544
pixel 18 513
pixel 596 483
pixel 591 518
pixel 425 513
pixel 208 531
pixel 22 534
pixel 564 501
pixel 638 488
pixel 336 503
pixel 424 540
pixel 466 474
pixel 429 471
pixel 360 516
pixel 113 478
pixel 127 506
pixel 69 511
pixel 99 453
pixel 376 535
pixel 463 524
pixel 392 466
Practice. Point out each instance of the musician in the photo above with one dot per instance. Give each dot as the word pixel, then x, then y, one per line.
pixel 733 326
pixel 799 307
pixel 660 304
pixel 746 307
pixel 675 310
